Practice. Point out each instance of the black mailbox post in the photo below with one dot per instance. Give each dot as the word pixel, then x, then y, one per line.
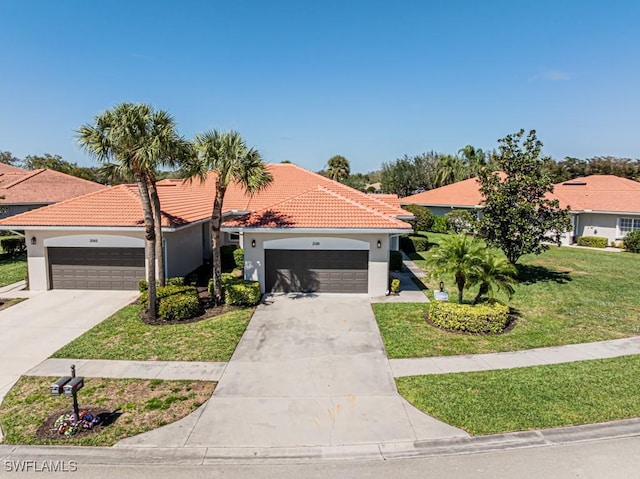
pixel 69 385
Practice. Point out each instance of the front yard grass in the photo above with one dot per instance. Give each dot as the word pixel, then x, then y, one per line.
pixel 565 296
pixel 143 405
pixel 124 336
pixel 12 270
pixel 491 402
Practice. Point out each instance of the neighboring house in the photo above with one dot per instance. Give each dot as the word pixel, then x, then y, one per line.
pixel 601 205
pixel 25 190
pixel 304 232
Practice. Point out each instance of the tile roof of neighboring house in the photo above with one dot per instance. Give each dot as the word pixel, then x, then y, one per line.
pixel 41 186
pixel 599 193
pixel 309 200
pixel 462 194
pixel 596 192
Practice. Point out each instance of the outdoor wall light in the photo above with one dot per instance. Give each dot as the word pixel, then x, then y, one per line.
pixel 253 243
pixel 33 240
pixel 379 244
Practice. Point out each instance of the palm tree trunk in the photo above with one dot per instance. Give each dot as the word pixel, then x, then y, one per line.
pixel 157 222
pixel 460 281
pixel 150 244
pixel 216 222
pixel 484 289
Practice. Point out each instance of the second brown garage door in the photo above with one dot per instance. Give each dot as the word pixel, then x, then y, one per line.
pixel 325 271
pixel 96 268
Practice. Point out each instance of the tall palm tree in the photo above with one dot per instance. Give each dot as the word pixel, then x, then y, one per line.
pixel 449 169
pixel 475 159
pixel 338 168
pixel 137 140
pixel 458 255
pixel 494 271
pixel 226 155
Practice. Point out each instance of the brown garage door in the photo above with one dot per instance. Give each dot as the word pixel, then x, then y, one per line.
pixel 325 271
pixel 96 268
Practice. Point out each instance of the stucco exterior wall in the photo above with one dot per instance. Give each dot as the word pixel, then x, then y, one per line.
pixel 184 250
pixel 599 224
pixel 37 262
pixel 378 257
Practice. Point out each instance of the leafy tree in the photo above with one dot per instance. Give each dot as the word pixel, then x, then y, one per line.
pixel 424 217
pixel 7 158
pixel 359 181
pixel 137 139
pixel 517 217
pixel 338 168
pixel 493 272
pixel 474 159
pixel 460 220
pixel 400 177
pixel 449 169
pixel 226 155
pixel 460 256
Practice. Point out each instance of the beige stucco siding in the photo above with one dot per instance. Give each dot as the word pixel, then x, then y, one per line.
pixel 184 250
pixel 378 257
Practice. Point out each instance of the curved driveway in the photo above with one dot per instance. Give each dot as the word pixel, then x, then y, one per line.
pixel 309 371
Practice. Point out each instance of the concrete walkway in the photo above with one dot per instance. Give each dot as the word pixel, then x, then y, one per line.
pixel 515 359
pixel 36 328
pixel 309 371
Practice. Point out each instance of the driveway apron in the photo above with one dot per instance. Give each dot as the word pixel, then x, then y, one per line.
pixel 309 371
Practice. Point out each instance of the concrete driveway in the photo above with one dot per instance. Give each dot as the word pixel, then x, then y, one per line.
pixel 309 371
pixel 36 328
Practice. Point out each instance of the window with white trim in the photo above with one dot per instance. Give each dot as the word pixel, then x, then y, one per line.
pixel 627 225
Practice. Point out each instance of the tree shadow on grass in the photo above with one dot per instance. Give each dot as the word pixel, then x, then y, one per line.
pixel 530 274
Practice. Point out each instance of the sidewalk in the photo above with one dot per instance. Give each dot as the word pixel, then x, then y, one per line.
pixel 17 290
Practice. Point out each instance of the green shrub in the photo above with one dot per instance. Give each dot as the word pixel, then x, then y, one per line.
pixel 395 261
pixel 459 221
pixel 13 246
pixel 424 217
pixel 593 241
pixel 242 292
pixel 483 318
pixel 632 242
pixel 439 225
pixel 395 285
pixel 414 243
pixel 180 306
pixel 225 278
pixel 175 281
pixel 238 258
pixel 167 291
pixel 227 260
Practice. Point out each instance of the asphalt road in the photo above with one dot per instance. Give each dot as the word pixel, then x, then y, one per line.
pixel 616 458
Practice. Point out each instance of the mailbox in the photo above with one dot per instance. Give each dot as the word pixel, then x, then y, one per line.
pixel 73 386
pixel 56 388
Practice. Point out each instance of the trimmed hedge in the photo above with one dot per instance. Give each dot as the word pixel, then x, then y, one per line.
pixel 484 318
pixel 395 261
pixel 459 221
pixel 440 225
pixel 179 307
pixel 632 242
pixel 167 291
pixel 414 243
pixel 424 217
pixel 175 281
pixel 13 246
pixel 593 241
pixel 238 258
pixel 242 292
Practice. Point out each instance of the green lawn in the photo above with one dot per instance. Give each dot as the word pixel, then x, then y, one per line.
pixel 124 336
pixel 565 296
pixel 12 270
pixel 491 402
pixel 142 404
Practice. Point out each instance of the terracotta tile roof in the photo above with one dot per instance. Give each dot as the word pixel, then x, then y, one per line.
pixel 463 193
pixel 308 200
pixel 596 192
pixel 41 186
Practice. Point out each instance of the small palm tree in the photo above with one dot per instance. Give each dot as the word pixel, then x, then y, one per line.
pixel 226 155
pixel 459 255
pixel 338 168
pixel 494 272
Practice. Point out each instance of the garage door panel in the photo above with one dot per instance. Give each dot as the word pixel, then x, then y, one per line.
pixel 96 268
pixel 330 271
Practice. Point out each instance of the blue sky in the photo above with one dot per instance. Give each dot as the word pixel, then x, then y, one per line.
pixel 305 80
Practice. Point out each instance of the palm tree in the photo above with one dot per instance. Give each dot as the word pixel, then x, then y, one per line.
pixel 458 255
pixel 475 158
pixel 494 271
pixel 449 169
pixel 338 168
pixel 227 157
pixel 137 139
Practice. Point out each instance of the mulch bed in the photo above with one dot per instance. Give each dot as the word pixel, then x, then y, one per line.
pixel 48 430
